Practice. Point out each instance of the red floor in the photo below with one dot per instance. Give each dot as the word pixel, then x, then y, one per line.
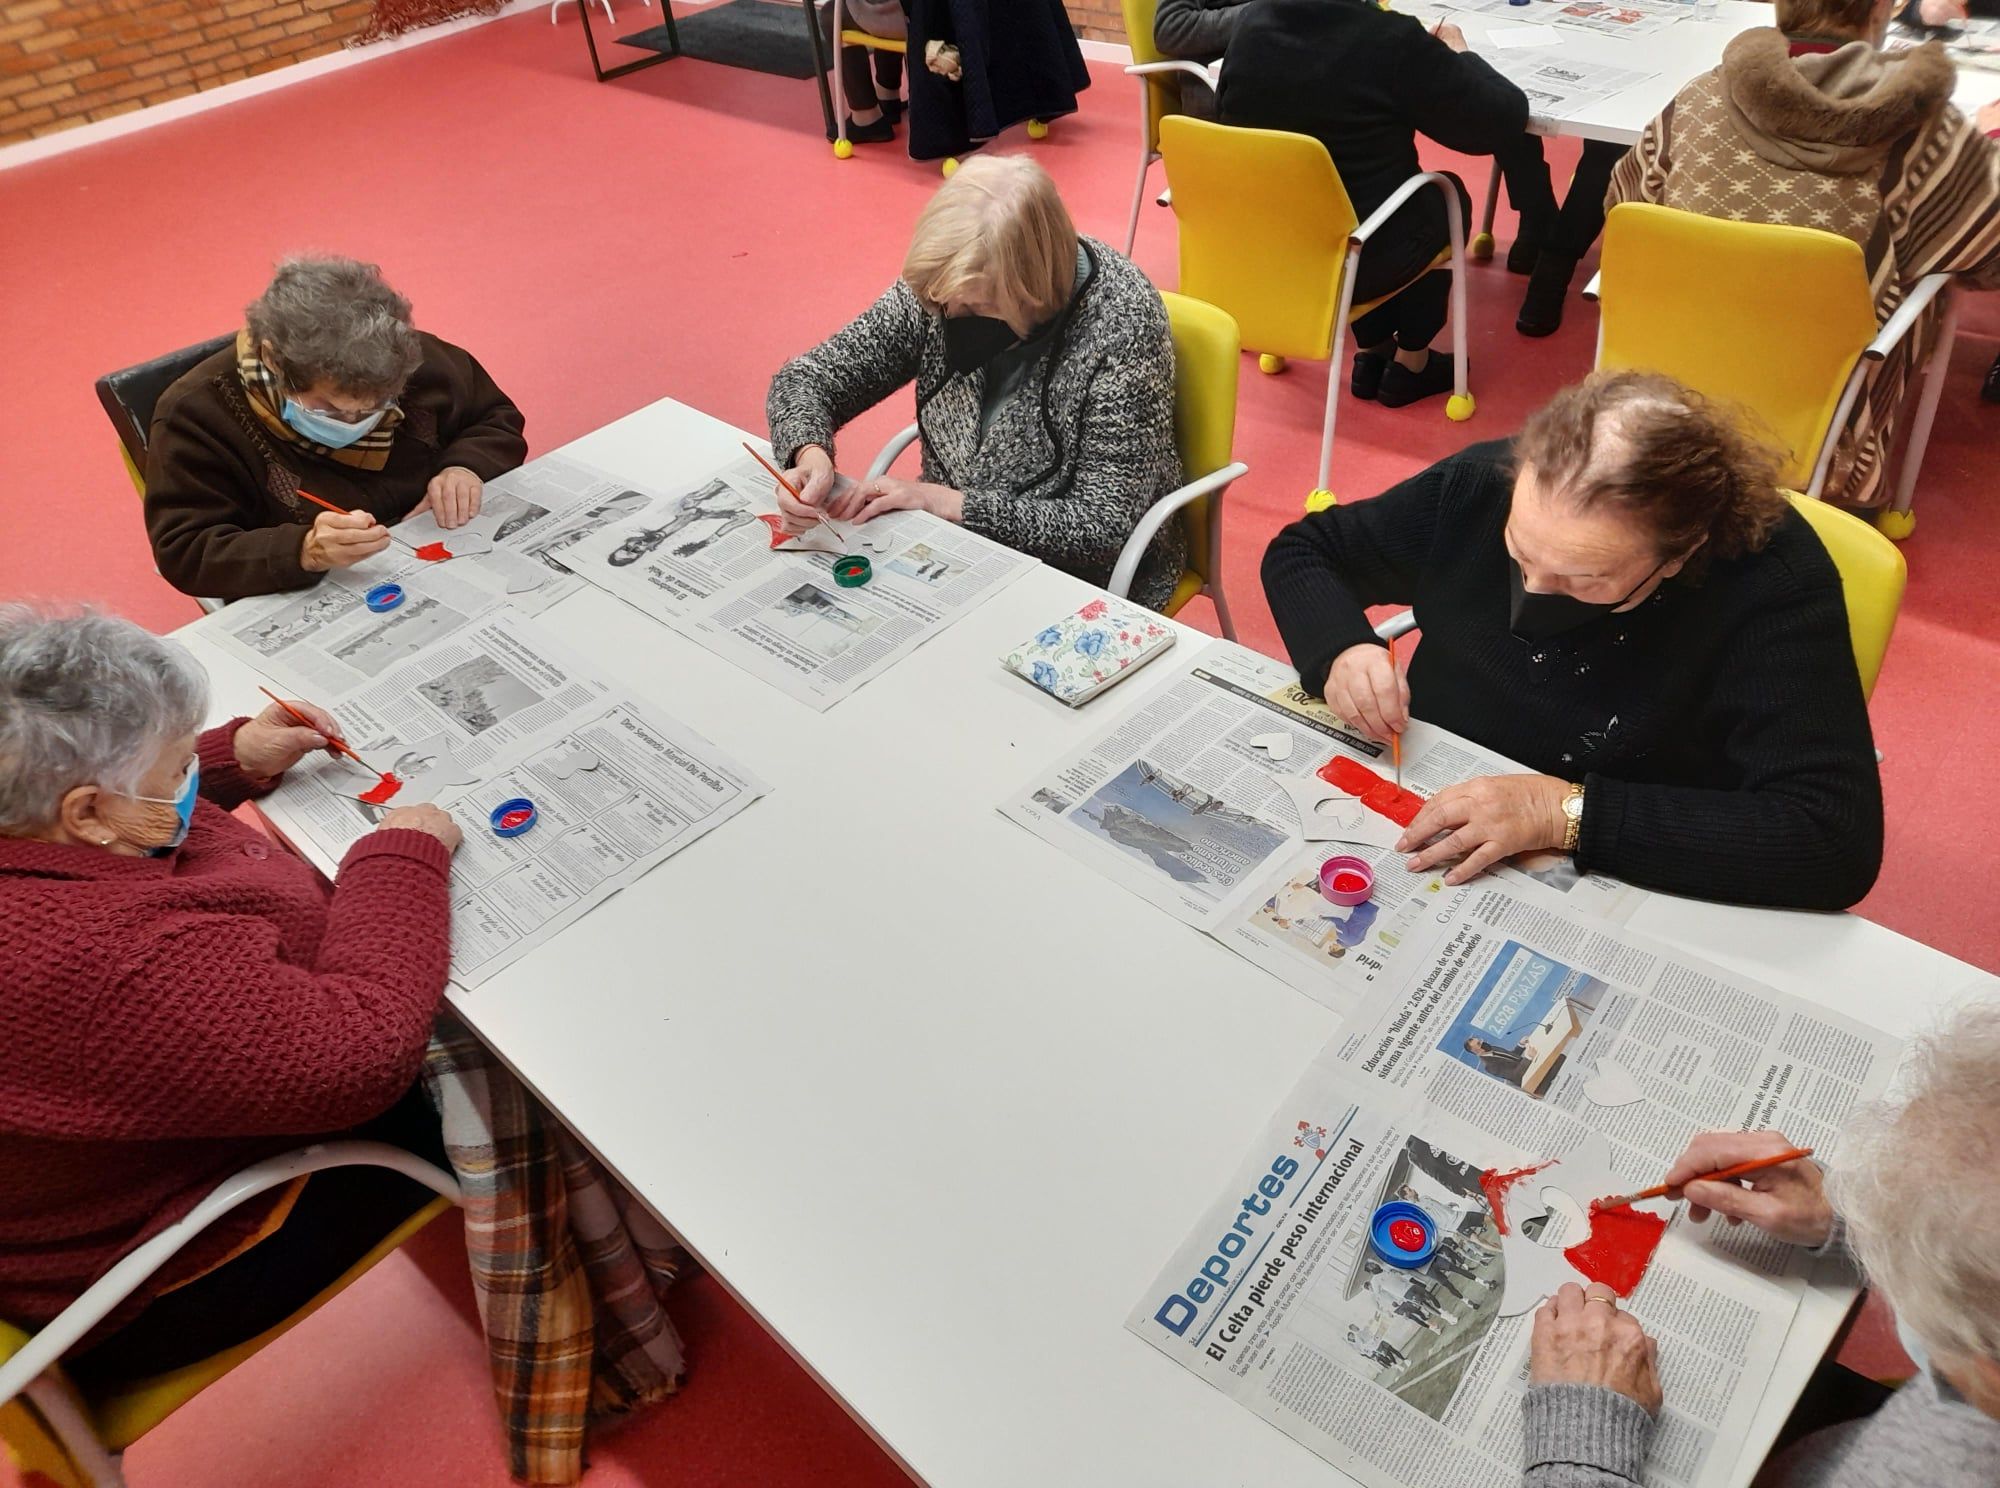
pixel 680 233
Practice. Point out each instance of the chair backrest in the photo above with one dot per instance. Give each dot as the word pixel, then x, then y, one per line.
pixel 1770 318
pixel 1872 575
pixel 1264 223
pixel 1139 30
pixel 1161 92
pixel 1207 357
pixel 130 395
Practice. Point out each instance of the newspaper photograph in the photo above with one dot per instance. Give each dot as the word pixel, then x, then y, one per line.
pixel 701 560
pixel 1414 1378
pixel 500 712
pixel 1631 18
pixel 1184 801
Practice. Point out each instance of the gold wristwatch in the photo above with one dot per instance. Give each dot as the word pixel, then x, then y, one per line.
pixel 1572 817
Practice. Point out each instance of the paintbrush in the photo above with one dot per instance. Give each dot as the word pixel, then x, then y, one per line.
pixel 334 742
pixel 1661 1190
pixel 429 552
pixel 1395 738
pixel 797 495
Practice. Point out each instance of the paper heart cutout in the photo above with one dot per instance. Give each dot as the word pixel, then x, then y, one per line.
pixel 1617 1251
pixel 1277 746
pixel 565 765
pixel 469 544
pixel 526 578
pixel 876 542
pixel 1612 1085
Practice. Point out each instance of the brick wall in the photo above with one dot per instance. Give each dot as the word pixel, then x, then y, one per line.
pixel 1099 20
pixel 67 62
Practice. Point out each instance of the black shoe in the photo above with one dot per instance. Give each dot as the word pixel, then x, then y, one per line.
pixel 1401 386
pixel 1522 255
pixel 1989 390
pixel 1365 381
pixel 1548 288
pixel 878 133
pixel 892 109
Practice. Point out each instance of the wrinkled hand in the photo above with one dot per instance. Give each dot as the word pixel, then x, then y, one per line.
pixel 274 741
pixel 812 476
pixel 1451 36
pixel 1941 12
pixel 1485 820
pixel 432 820
pixel 341 540
pixel 452 497
pixel 1581 1340
pixel 887 493
pixel 1787 1202
pixel 1365 689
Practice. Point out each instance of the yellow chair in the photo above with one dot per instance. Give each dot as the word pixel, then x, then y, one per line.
pixel 846 35
pixel 73 1441
pixel 1207 356
pixel 1152 69
pixel 1872 577
pixel 1267 232
pixel 1778 320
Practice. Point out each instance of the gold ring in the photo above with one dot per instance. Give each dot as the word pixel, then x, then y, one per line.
pixel 1611 1302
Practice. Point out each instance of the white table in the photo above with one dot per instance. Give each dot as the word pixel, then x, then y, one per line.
pixel 932 1125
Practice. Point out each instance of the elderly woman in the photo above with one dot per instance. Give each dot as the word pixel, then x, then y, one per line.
pixel 184 999
pixel 1811 123
pixel 1914 1199
pixel 328 390
pixel 1622 601
pixel 1044 384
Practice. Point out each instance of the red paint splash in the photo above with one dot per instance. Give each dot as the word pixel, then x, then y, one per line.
pixel 1495 1184
pixel 1407 1234
pixel 379 793
pixel 776 523
pixel 520 816
pixel 435 552
pixel 1619 1247
pixel 1383 797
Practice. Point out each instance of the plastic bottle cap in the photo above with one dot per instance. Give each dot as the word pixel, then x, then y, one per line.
pixel 1403 1234
pixel 1346 880
pixel 851 571
pixel 384 597
pixel 512 818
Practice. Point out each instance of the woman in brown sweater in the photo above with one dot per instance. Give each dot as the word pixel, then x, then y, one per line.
pixel 329 390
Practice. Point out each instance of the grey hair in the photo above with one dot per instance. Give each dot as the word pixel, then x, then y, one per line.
pixel 1918 1182
pixel 334 320
pixel 85 699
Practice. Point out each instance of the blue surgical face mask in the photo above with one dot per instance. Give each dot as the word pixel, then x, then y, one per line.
pixel 1914 1347
pixel 324 428
pixel 183 804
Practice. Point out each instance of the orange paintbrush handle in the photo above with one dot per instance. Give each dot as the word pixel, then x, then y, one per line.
pixel 1739 1170
pixel 316 501
pixel 333 741
pixel 776 474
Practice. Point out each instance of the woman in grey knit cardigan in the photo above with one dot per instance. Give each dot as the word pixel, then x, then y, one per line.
pixel 1916 1200
pixel 1044 378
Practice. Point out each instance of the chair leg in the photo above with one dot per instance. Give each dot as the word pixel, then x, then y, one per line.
pixel 1338 355
pixel 1458 407
pixel 100 1467
pixel 1214 584
pixel 1222 619
pixel 1146 159
pixel 843 148
pixel 1898 521
pixel 1482 245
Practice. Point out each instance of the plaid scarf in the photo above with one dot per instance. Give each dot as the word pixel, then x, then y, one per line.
pixel 267 399
pixel 569 1268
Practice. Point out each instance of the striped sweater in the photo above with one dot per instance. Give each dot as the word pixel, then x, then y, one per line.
pixel 1068 465
pixel 1855 141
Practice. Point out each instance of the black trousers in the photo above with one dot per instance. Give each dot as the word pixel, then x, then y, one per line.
pixel 1417 233
pixel 1570 229
pixel 340 1215
pixel 858 80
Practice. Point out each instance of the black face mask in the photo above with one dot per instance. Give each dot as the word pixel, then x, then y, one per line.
pixel 1536 617
pixel 971 341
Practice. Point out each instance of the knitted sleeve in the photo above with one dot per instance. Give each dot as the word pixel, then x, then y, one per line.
pixel 212 1032
pixel 1947 206
pixel 1641 173
pixel 851 371
pixel 222 779
pixel 1582 1436
pixel 1322 572
pixel 483 432
pixel 1802 826
pixel 1124 440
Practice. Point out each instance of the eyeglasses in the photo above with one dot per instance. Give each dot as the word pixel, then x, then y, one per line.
pixel 343 415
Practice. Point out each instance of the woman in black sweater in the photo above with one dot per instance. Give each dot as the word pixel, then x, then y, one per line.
pixel 1623 600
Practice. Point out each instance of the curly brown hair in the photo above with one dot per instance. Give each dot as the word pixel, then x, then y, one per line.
pixel 1663 455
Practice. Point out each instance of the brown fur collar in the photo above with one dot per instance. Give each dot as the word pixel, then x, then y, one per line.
pixel 1830 111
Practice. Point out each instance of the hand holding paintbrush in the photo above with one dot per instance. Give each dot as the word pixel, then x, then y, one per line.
pixel 1757 1176
pixel 386 784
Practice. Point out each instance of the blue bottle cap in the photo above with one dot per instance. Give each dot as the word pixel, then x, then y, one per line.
pixel 1391 1232
pixel 384 597
pixel 512 818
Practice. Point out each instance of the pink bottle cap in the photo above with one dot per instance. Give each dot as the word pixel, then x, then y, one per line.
pixel 1346 880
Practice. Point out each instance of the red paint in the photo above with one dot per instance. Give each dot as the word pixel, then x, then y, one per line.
pixel 1494 1184
pixel 778 534
pixel 1348 882
pixel 1619 1247
pixel 435 552
pixel 1407 1234
pixel 379 793
pixel 518 817
pixel 1383 797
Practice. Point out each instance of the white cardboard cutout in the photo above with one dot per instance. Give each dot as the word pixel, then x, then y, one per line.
pixel 1612 1085
pixel 1277 746
pixel 565 765
pixel 1535 1271
pixel 1329 814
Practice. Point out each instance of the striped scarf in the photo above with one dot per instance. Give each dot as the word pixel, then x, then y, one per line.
pixel 267 398
pixel 570 1269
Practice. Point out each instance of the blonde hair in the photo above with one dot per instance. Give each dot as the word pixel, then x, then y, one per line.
pixel 997 231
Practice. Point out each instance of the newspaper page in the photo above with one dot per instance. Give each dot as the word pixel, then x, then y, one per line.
pixel 1972 41
pixel 1182 801
pixel 500 711
pixel 1505 1011
pixel 1561 85
pixel 701 560
pixel 1630 18
pixel 1412 1379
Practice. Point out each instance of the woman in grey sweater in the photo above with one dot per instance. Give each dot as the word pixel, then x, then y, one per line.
pixel 1916 1201
pixel 1044 376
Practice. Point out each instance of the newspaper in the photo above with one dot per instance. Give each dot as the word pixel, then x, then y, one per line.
pixel 1178 803
pixel 1629 18
pixel 701 560
pixel 1973 41
pixel 1275 1298
pixel 1561 85
pixel 500 711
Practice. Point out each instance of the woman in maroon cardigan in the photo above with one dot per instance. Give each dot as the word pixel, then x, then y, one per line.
pixel 182 998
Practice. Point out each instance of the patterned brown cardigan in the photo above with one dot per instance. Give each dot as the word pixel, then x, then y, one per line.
pixel 1855 141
